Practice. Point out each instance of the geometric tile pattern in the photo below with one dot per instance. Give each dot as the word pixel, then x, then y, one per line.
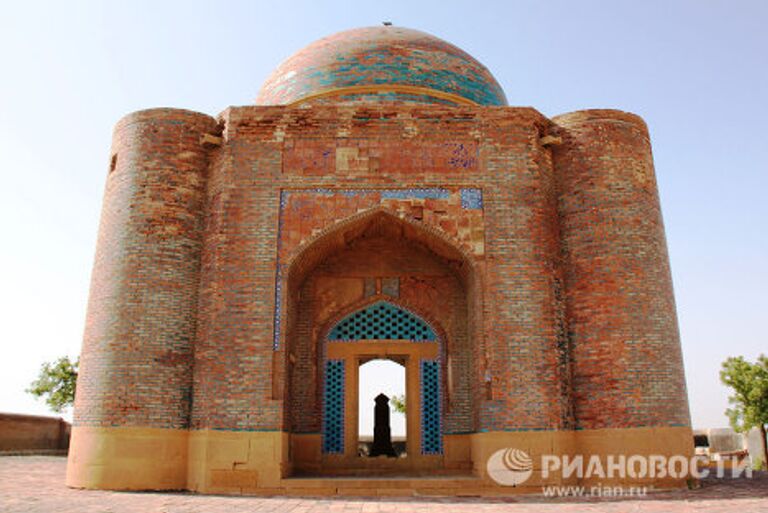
pixel 472 199
pixel 382 321
pixel 431 428
pixel 333 407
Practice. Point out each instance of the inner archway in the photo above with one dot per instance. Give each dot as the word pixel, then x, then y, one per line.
pixel 382 330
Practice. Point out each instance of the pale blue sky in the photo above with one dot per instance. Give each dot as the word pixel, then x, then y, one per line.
pixel 695 70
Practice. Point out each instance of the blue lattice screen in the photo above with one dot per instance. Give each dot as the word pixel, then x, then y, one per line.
pixel 431 432
pixel 333 411
pixel 379 321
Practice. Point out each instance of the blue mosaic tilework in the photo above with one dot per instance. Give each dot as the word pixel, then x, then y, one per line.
pixel 431 429
pixel 415 194
pixel 278 310
pixel 387 56
pixel 382 320
pixel 404 194
pixel 392 97
pixel 461 156
pixel 333 407
pixel 278 314
pixel 472 199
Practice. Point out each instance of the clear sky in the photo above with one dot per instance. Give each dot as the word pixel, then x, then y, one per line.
pixel 380 377
pixel 697 71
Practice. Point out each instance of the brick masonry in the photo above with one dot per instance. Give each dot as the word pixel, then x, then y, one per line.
pixel 136 362
pixel 218 267
pixel 25 434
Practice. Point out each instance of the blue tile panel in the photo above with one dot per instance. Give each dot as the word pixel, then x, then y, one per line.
pixel 278 313
pixel 472 199
pixel 382 320
pixel 402 194
pixel 431 429
pixel 406 194
pixel 333 407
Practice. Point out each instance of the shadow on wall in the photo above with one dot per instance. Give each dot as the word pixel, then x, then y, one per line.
pixel 33 434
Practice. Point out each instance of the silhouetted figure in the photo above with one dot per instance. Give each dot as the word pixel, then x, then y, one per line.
pixel 382 435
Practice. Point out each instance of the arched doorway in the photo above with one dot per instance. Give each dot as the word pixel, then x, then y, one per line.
pixel 380 286
pixel 382 330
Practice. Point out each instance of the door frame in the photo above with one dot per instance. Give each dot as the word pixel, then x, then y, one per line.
pixel 407 351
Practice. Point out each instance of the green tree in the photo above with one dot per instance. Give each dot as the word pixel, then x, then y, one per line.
pixel 398 403
pixel 56 382
pixel 749 402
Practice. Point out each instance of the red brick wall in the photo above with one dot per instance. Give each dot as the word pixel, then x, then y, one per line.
pixel 29 433
pixel 233 384
pixel 627 363
pixel 547 327
pixel 135 368
pixel 273 148
pixel 521 237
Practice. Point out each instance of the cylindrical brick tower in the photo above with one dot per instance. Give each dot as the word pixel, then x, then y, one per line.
pixel 627 363
pixel 134 387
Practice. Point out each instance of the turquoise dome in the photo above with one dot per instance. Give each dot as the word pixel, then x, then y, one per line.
pixel 384 63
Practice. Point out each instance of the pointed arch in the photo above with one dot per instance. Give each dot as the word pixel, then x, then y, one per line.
pixel 318 294
pixel 376 220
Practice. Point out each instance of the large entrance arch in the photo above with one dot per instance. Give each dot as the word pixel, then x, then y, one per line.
pixel 379 286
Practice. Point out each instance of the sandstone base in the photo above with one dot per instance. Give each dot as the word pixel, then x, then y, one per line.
pixel 238 462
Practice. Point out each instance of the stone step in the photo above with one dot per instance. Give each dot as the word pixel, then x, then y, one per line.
pixel 455 486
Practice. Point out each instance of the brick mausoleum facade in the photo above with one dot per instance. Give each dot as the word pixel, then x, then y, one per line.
pixel 380 200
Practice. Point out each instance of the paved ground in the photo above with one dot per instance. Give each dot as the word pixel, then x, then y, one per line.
pixel 34 484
